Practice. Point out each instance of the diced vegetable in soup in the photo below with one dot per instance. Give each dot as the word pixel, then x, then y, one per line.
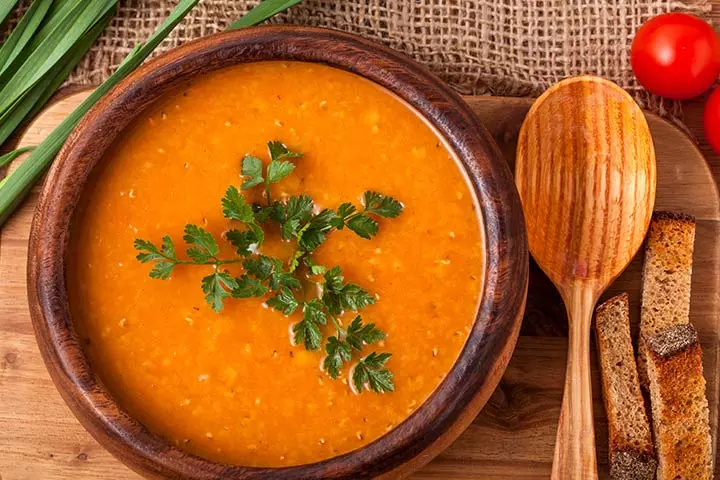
pixel 333 272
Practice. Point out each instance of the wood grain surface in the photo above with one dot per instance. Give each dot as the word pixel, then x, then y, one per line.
pixel 512 438
pixel 585 171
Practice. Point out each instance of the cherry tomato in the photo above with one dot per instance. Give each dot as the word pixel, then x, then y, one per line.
pixel 712 120
pixel 676 55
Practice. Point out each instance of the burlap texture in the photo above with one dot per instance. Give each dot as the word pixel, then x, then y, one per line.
pixel 501 47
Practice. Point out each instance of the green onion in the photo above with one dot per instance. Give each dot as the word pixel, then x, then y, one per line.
pixel 33 100
pixel 16 186
pixel 262 12
pixel 23 32
pixel 6 7
pixel 33 65
pixel 70 61
pixel 9 157
pixel 52 49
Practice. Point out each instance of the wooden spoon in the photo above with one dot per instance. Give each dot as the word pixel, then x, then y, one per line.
pixel 586 175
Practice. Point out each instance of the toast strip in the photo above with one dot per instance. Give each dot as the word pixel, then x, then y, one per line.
pixel 679 406
pixel 631 452
pixel 666 278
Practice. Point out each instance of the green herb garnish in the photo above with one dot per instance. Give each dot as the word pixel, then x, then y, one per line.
pixel 371 371
pixel 5 9
pixel 285 283
pixel 262 12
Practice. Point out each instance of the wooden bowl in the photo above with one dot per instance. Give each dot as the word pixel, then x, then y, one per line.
pixel 482 361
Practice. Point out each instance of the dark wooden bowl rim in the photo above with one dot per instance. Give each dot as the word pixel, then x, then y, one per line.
pixel 500 308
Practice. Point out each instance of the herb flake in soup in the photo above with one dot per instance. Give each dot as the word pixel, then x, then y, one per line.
pixel 231 385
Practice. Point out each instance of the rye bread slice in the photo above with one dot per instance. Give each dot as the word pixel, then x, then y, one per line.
pixel 666 278
pixel 631 452
pixel 679 407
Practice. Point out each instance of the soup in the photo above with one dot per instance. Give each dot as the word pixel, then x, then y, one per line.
pixel 231 385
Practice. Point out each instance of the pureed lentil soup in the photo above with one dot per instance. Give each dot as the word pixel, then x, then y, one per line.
pixel 231 386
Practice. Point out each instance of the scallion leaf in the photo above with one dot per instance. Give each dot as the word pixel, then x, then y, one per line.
pixel 23 32
pixel 33 100
pixel 53 48
pixel 6 7
pixel 71 60
pixel 10 156
pixel 16 186
pixel 262 12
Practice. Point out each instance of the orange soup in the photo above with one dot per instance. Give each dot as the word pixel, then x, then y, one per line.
pixel 231 386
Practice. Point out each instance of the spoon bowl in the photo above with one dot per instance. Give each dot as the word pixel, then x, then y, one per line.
pixel 586 175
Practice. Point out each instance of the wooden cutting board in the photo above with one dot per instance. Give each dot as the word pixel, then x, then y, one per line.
pixel 512 438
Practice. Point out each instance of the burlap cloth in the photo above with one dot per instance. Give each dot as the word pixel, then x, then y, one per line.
pixel 500 47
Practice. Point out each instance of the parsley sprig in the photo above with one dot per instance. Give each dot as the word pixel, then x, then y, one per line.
pixel 279 167
pixel 284 284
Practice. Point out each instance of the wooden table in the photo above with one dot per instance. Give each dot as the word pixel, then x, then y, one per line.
pixel 512 438
pixel 525 406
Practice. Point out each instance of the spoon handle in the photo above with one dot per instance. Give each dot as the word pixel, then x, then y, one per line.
pixel 575 442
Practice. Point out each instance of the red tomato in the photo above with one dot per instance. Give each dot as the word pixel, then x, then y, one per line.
pixel 676 55
pixel 712 120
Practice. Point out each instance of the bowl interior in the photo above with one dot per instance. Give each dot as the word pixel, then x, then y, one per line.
pixel 480 364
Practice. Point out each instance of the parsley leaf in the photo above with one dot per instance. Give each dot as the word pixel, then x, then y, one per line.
pixel 278 168
pixel 338 352
pixel 363 226
pixel 295 260
pixel 379 204
pixel 262 213
pixel 162 270
pixel 279 151
pixel 235 207
pixel 370 372
pixel 299 207
pixel 268 268
pixel 361 222
pixel 339 296
pixel 168 247
pixel 252 172
pixel 249 287
pixel 217 287
pixel 276 171
pixel 285 279
pixel 307 331
pixel 245 242
pixel 149 252
pixel 284 301
pixel 359 334
pixel 314 268
pixel 354 297
pixel 314 232
pixel 296 210
pixel 261 267
pixel 334 278
pixel 164 257
pixel 205 248
pixel 343 212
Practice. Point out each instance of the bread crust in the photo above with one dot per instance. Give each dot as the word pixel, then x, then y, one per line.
pixel 631 452
pixel 679 408
pixel 666 278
